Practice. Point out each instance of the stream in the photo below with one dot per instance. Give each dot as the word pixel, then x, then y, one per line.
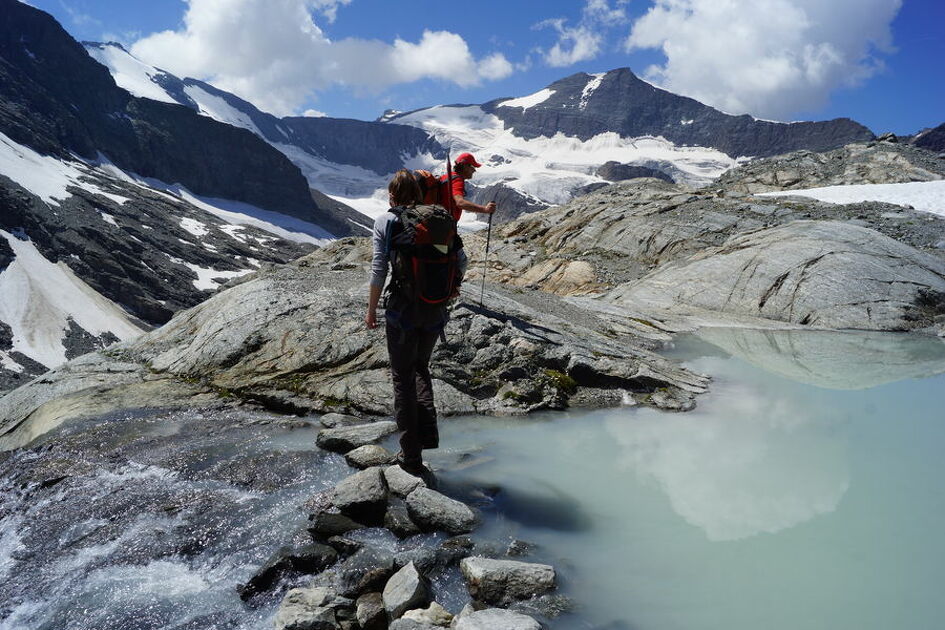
pixel 803 492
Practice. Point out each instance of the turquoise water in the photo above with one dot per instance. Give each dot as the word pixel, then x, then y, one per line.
pixel 780 502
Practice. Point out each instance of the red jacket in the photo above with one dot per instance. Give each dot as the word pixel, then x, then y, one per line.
pixel 448 196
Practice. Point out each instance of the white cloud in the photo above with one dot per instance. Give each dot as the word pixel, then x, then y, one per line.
pixel 771 58
pixel 272 53
pixel 495 67
pixel 584 41
pixel 314 113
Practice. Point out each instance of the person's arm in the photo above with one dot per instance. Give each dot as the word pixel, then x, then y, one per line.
pixel 468 206
pixel 379 260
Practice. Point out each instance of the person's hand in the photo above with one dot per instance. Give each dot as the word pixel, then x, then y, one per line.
pixel 370 319
pixel 490 208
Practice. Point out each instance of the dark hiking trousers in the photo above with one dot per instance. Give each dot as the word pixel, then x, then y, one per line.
pixel 414 412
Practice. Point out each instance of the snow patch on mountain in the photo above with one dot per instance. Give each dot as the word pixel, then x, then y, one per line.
pixel 209 279
pixel 39 297
pixel 593 84
pixel 130 73
pixel 45 176
pixel 528 101
pixel 549 169
pixel 217 108
pixel 925 196
pixel 235 213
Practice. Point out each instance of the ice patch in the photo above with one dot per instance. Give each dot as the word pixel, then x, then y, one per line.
pixel 107 218
pixel 194 226
pixel 38 297
pixel 687 122
pixel 528 101
pixel 925 196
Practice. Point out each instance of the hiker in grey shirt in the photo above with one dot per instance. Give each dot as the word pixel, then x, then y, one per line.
pixel 412 325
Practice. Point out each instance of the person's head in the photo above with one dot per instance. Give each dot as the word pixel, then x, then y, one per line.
pixel 466 165
pixel 404 189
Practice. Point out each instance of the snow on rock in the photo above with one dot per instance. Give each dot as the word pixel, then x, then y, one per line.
pixel 38 297
pixel 45 176
pixel 592 85
pixel 217 108
pixel 209 279
pixel 129 73
pixel 194 226
pixel 925 196
pixel 549 169
pixel 528 101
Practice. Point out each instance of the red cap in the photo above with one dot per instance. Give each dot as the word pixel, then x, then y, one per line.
pixel 467 158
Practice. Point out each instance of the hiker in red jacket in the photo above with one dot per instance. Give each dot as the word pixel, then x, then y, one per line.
pixel 454 196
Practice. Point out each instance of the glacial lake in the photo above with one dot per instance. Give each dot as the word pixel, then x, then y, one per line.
pixel 804 492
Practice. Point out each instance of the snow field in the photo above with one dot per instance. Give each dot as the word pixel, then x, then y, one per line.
pixel 925 196
pixel 38 297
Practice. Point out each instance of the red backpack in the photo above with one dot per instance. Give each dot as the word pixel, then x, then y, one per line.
pixel 434 190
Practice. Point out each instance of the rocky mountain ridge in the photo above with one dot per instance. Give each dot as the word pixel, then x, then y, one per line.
pixel 57 100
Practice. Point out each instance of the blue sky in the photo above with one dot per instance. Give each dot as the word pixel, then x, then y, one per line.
pixel 877 61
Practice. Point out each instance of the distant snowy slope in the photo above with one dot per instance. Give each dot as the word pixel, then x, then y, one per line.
pixel 551 168
pixel 925 196
pixel 131 74
pixel 40 301
pixel 90 254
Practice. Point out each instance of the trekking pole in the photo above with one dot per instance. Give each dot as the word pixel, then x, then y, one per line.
pixel 485 262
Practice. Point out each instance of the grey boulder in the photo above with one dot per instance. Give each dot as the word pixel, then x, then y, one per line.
pixel 306 609
pixel 362 496
pixel 503 582
pixel 407 589
pixel 400 482
pixel 370 613
pixel 368 456
pixel 495 619
pixel 432 511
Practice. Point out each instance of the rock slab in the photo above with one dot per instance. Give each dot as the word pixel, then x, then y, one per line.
pixel 495 618
pixel 502 582
pixel 347 438
pixel 432 511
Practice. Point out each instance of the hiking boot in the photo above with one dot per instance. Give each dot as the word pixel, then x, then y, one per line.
pixel 417 469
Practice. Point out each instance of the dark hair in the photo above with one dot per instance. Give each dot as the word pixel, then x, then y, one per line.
pixel 404 188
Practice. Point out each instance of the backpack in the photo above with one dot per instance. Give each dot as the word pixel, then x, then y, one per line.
pixel 425 268
pixel 432 188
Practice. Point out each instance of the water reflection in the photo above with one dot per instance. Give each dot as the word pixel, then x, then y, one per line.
pixel 745 462
pixel 834 359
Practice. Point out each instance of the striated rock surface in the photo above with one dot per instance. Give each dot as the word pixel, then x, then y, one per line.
pixel 823 274
pixel 292 339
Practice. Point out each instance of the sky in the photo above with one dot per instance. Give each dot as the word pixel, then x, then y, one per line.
pixel 879 62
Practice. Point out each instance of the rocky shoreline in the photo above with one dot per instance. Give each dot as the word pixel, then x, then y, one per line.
pixel 359 586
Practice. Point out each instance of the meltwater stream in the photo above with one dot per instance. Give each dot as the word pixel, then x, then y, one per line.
pixel 803 493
